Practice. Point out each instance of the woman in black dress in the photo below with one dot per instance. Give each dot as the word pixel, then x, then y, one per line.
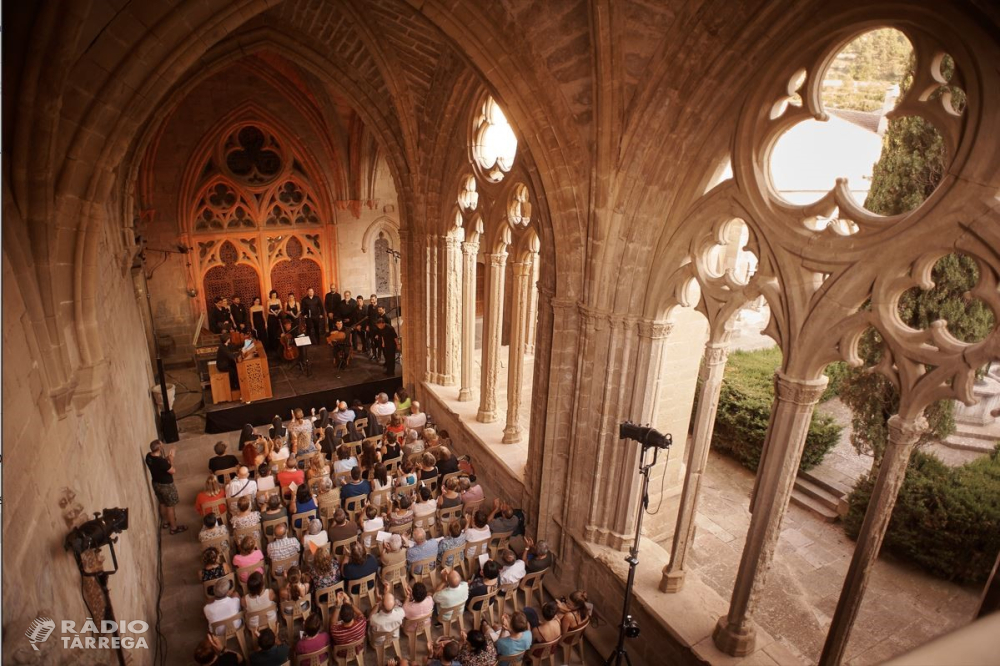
pixel 257 324
pixel 273 321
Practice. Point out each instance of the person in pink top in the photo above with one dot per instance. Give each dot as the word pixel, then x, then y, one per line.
pixel 471 491
pixel 418 603
pixel 249 555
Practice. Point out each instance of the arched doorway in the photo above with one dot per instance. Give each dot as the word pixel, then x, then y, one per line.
pixel 230 279
pixel 296 274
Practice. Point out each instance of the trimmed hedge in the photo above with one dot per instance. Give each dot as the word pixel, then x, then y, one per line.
pixel 946 519
pixel 745 403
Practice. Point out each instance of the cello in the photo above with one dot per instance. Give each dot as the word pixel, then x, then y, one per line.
pixel 289 351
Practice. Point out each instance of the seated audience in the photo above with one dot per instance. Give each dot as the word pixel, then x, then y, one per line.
pixel 348 624
pixel 222 460
pixel 291 474
pixel 212 529
pixel 574 612
pixel 425 506
pixel 302 503
pixel 242 484
pixel 265 480
pixel 401 400
pixel 212 492
pixel 259 597
pixel 324 571
pixel 504 519
pixel 427 469
pixel 422 548
pixel 417 603
pixel 396 426
pixel 269 652
pixel 416 419
pixel 449 497
pixel 454 538
pixel 369 458
pixel 549 627
pixel 451 591
pixel 393 551
pixel 486 580
pixel 344 414
pixel 412 444
pixel 341 528
pixel 356 486
pixel 296 586
pixel 345 461
pixel 386 616
pixel 537 556
pixel 274 509
pixel 282 547
pixel 244 516
pixel 225 605
pixel 314 638
pixel 316 536
pixel 213 564
pixel 370 521
pixel 390 447
pixel 382 409
pixel 248 556
pixel 447 462
pixel 212 652
pixel 478 650
pixel 357 563
pixel 317 467
pixel 479 529
pixel 512 568
pixel 380 478
pixel 471 491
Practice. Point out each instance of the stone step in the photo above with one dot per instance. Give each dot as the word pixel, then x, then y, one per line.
pixel 817 492
pixel 814 506
pixel 963 443
pixel 834 488
pixel 990 433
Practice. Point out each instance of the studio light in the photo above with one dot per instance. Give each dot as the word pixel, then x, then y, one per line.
pixel 98 532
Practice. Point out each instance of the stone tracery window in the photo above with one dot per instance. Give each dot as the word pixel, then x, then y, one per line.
pixel 494 144
pixel 296 272
pixel 252 155
pixel 383 267
pixel 519 208
pixel 228 278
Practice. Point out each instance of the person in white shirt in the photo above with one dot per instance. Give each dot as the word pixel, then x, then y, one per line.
pixel 371 521
pixel 513 568
pixel 265 480
pixel 387 616
pixel 382 408
pixel 345 461
pixel 241 485
pixel 479 529
pixel 416 419
pixel 226 605
pixel 317 535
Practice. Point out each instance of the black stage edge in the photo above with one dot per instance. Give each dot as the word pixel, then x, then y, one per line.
pixel 364 380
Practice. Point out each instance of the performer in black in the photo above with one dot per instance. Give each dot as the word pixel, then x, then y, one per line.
pixel 312 313
pixel 226 360
pixel 218 315
pixel 239 314
pixel 348 310
pixel 331 305
pixel 388 336
pixel 273 321
pixel 376 313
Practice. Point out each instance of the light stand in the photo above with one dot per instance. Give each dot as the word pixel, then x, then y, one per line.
pixel 168 419
pixel 649 439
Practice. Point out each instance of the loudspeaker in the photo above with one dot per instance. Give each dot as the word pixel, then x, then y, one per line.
pixel 168 427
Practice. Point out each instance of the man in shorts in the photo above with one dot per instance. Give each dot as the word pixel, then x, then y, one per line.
pixel 161 467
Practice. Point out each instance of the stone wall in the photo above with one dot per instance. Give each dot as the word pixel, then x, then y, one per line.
pixel 97 453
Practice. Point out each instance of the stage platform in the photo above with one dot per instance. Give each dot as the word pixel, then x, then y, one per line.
pixel 291 388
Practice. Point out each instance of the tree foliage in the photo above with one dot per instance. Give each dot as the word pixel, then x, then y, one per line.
pixel 865 69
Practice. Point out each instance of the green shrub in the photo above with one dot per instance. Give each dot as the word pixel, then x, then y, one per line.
pixel 745 403
pixel 946 519
pixel 836 372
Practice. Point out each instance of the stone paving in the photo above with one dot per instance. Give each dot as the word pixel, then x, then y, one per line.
pixel 903 607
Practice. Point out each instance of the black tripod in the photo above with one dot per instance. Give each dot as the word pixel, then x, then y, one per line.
pixel 649 439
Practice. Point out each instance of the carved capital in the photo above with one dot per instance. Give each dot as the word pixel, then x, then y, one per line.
pixel 806 392
pixel 906 432
pixel 498 260
pixel 655 330
pixel 716 353
pixel 470 249
pixel 522 269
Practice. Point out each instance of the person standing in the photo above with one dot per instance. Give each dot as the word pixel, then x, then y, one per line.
pixel 312 312
pixel 226 361
pixel 160 462
pixel 274 308
pixel 388 335
pixel 331 305
pixel 240 316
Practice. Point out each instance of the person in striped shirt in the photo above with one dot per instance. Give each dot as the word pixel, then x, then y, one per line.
pixel 348 624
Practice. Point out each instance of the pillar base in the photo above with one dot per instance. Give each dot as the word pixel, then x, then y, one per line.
pixel 733 643
pixel 466 395
pixel 511 435
pixel 672 581
pixel 486 417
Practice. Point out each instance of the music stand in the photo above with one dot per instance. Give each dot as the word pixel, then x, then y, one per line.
pixel 303 342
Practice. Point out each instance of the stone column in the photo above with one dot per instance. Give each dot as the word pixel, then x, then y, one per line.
pixel 431 313
pixel 451 301
pixel 903 437
pixel 493 324
pixel 794 401
pixel 712 370
pixel 515 364
pixel 469 253
pixel 532 320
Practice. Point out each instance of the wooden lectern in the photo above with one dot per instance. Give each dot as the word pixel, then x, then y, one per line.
pixel 255 377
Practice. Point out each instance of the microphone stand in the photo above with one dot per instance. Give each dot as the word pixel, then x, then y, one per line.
pixel 629 628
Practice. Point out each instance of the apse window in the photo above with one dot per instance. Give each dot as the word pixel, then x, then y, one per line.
pixel 858 142
pixel 494 145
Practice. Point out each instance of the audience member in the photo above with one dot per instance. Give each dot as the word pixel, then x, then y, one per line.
pixel 314 638
pixel 282 547
pixel 348 624
pixel 479 530
pixel 479 650
pixel 471 491
pixel 416 419
pixel 244 517
pixel 356 486
pixel 487 580
pixel 324 571
pixel 265 480
pixel 454 538
pixel 452 591
pixel 401 400
pixel 248 556
pixel 222 460
pixel 537 556
pixel 269 652
pixel 391 449
pixel 275 509
pixel 380 478
pixel 357 563
pixel 512 569
pixel 549 628
pixel 212 492
pixel 317 535
pixel 504 519
pixel 428 467
pixel 422 548
pixel 259 597
pixel 396 425
pixel 303 503
pixel 371 521
pixel 418 603
pixel 386 616
pixel 212 652
pixel 341 528
pixel 382 409
pixel 242 484
pixel 213 564
pixel 513 636
pixel 412 444
pixel 425 506
pixel 447 462
pixel 212 529
pixel 160 462
pixel 291 474
pixel 393 551
pixel 345 461
pixel 225 605
pixel 449 497
pixel 574 612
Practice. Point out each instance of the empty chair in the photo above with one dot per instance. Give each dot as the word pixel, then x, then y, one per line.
pixel 279 567
pixel 455 558
pixel 343 546
pixel 258 619
pixel 531 584
pixel 425 570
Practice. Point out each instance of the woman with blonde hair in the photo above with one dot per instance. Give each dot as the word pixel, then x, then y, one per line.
pixel 213 491
pixel 317 467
